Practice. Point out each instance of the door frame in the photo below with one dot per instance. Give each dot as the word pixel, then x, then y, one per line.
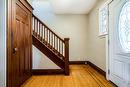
pixel 9 47
pixel 107 46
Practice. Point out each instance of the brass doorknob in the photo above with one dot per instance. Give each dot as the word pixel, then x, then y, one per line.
pixel 15 50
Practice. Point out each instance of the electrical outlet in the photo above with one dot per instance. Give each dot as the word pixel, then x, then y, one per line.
pixel 86 63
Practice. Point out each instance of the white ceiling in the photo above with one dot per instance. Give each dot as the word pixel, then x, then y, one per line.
pixel 72 6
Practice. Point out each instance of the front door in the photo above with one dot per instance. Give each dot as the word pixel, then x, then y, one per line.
pixel 119 42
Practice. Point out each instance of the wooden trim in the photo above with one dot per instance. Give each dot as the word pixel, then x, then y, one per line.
pixel 27 5
pixel 66 56
pixel 77 62
pixel 9 47
pixel 97 68
pixel 47 71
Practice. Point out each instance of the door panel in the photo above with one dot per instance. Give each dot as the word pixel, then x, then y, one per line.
pixel 15 58
pixel 118 59
pixel 21 44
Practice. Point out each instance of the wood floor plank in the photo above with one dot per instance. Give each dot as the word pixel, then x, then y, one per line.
pixel 101 79
pixel 80 76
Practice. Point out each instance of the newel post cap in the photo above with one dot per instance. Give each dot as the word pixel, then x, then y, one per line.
pixel 66 39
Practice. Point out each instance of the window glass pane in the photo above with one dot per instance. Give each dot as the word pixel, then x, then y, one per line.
pixel 124 27
pixel 103 20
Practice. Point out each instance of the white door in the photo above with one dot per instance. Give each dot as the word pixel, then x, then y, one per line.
pixel 119 42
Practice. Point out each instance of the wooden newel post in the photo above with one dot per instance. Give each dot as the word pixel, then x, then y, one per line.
pixel 66 56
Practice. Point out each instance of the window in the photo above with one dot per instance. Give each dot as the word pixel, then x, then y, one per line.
pixel 103 20
pixel 124 27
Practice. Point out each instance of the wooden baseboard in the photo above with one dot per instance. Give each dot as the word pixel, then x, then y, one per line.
pixel 77 62
pixel 97 68
pixel 60 71
pixel 89 63
pixel 47 71
pixel 100 71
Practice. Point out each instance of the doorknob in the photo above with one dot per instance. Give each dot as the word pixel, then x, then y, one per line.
pixel 15 50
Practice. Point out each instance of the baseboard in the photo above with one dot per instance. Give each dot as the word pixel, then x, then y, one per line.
pixel 113 83
pixel 100 71
pixel 97 68
pixel 90 64
pixel 77 62
pixel 60 71
pixel 47 71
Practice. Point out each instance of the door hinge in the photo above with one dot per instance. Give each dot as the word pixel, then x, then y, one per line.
pixel 108 12
pixel 108 42
pixel 108 71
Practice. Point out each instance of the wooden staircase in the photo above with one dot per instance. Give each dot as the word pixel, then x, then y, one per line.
pixel 50 44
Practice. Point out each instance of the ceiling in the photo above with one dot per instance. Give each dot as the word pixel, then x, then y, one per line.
pixel 71 6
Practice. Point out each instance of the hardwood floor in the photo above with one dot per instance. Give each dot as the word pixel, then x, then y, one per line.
pixel 80 76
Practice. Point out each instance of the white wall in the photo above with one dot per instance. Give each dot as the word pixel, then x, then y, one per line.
pixel 2 44
pixel 85 44
pixel 96 45
pixel 40 61
pixel 30 1
pixel 72 26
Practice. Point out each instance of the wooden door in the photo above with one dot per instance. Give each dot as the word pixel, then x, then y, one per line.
pixel 21 44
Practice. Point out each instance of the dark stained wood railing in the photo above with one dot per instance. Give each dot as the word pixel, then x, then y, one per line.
pixel 56 44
